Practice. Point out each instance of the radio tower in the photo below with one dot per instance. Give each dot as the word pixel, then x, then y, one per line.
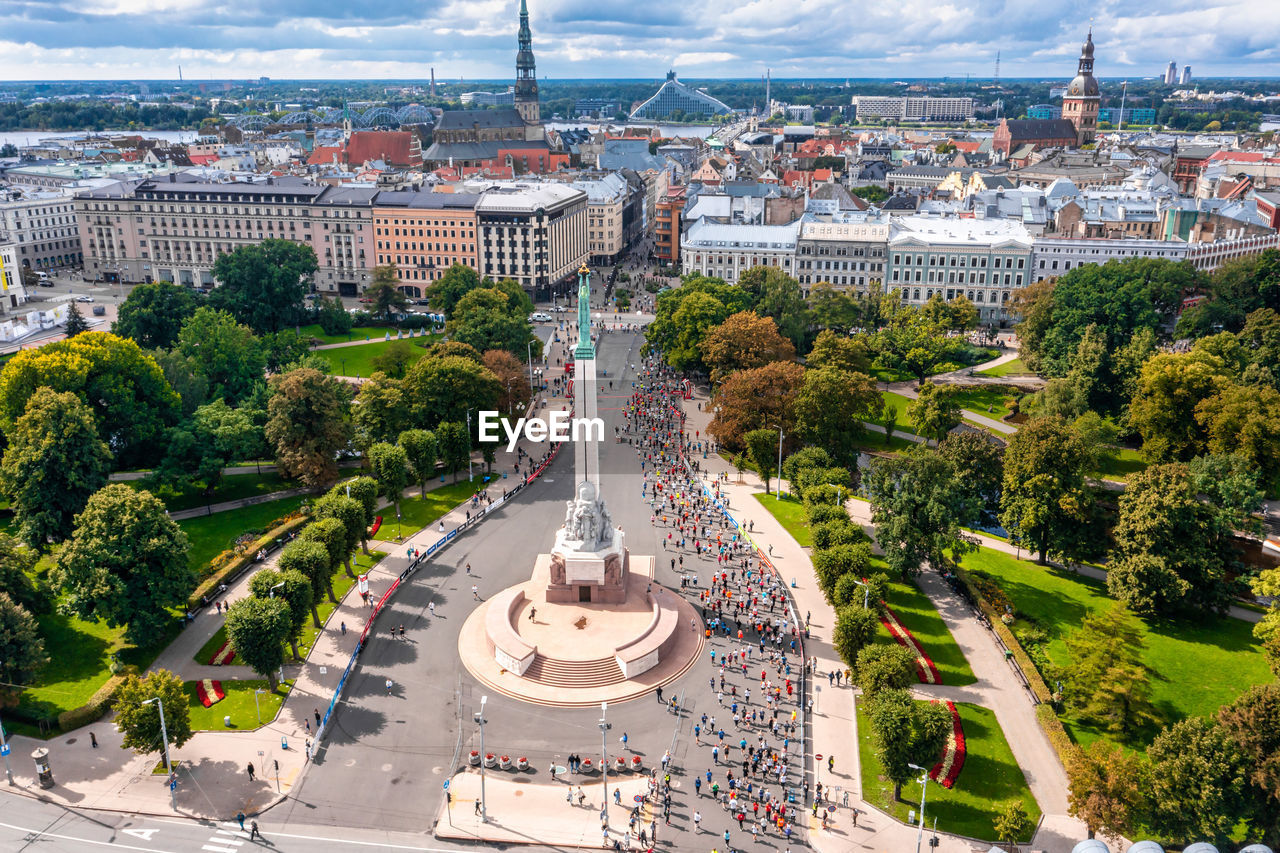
pixel 997 80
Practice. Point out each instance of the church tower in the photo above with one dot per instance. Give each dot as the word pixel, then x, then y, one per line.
pixel 1080 103
pixel 526 74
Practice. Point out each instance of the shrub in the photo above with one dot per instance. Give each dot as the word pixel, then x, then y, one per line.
pixel 846 592
pixel 824 513
pixel 217 574
pixel 855 629
pixel 834 533
pixel 1061 742
pixel 992 592
pixel 882 667
pixel 823 494
pixel 832 563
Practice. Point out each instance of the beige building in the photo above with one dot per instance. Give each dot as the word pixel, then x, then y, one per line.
pixel 535 233
pixel 606 201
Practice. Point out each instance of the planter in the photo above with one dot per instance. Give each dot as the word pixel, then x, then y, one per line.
pixel 504 762
pixel 619 764
pixel 490 759
pixel 522 763
pixel 637 763
pixel 587 766
pixel 475 758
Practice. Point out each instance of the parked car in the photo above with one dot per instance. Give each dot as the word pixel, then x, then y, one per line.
pixel 539 317
pixel 311 296
pixel 422 302
pixel 84 298
pixel 99 310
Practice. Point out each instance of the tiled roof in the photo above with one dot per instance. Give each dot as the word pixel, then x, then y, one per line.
pixel 466 119
pixel 393 146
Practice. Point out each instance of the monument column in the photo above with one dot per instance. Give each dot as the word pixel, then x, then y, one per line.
pixel 586 454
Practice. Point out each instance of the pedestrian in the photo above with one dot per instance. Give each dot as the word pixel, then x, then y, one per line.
pixel 855 816
pixel 831 763
pixel 475 592
pixel 697 821
pixel 250 770
pixel 240 818
pixel 388 686
pixel 533 611
pixel 93 740
pixel 617 797
pixel 659 694
pixel 477 807
pixel 344 629
pixel 253 830
pixel 468 568
pixel 431 608
pixel 316 712
pixel 442 527
pixel 402 632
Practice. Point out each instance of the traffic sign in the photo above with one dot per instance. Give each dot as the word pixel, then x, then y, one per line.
pixel 817 756
pixel 173 786
pixel 446 784
pixel 4 750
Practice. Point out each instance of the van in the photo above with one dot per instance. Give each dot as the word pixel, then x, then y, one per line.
pixel 42 279
pixel 539 317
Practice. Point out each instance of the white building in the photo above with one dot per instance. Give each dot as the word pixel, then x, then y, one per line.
pixel 845 250
pixel 725 251
pixel 12 291
pixel 877 107
pixel 1054 256
pixel 607 198
pixel 41 223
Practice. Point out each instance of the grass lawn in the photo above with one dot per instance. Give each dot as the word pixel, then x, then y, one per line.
pixel 990 778
pixel 211 646
pixel 790 514
pixel 900 403
pixel 358 360
pixel 362 333
pixel 1009 368
pixel 981 399
pixel 238 704
pixel 1124 464
pixel 232 487
pixel 917 613
pixel 873 442
pixel 1196 666
pixel 210 535
pixel 416 513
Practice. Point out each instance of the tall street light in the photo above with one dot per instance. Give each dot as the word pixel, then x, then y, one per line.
pixel 168 768
pixel 924 786
pixel 478 716
pixel 604 759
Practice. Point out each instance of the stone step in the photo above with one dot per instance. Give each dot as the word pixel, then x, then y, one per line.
pixel 574 674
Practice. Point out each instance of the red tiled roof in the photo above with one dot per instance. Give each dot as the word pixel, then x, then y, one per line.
pixel 324 154
pixel 393 146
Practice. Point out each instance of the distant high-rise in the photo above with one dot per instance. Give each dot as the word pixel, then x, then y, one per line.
pixel 433 82
pixel 1080 104
pixel 526 74
pixel 1185 79
pixel 1171 73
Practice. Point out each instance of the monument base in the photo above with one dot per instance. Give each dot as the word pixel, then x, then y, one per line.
pixel 588 577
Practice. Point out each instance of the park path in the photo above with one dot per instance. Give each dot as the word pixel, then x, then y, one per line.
pixel 997 688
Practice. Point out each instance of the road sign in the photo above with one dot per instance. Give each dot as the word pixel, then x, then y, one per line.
pixel 817 756
pixel 173 785
pixel 446 784
pixel 4 750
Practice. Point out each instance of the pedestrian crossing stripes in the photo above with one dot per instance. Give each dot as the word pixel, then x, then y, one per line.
pixel 227 840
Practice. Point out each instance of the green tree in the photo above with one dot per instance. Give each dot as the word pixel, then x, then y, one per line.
pixel 1245 421
pixel 485 320
pixel 918 506
pixel 760 450
pixel 456 282
pixel 311 560
pixel 1199 782
pixel 257 629
pixel 384 295
pixel 1236 289
pixel 308 424
pixel 776 295
pixel 294 587
pixel 224 352
pixel 75 322
pixel 54 462
pixel 915 344
pixel 744 340
pixel 755 399
pixel 855 630
pixel 832 309
pixel 1042 498
pixel 263 284
pixel 382 411
pixel 1169 389
pixel 907 732
pixel 934 412
pixel 180 372
pixel 1252 720
pixel 137 718
pixel 364 490
pixel 153 313
pixel 455 447
pixel 21 646
pixel 125 564
pixel 333 318
pixel 390 466
pixel 978 461
pixel 830 408
pixel 1173 551
pixel 851 355
pixel 394 359
pixel 1106 682
pixel 885 667
pixel 1108 789
pixel 422 452
pixel 284 350
pixel 18 577
pixel 444 388
pixel 1013 823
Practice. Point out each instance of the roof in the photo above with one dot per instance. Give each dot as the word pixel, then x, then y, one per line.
pixel 467 119
pixel 393 146
pixel 442 151
pixel 424 200
pixel 524 197
pixel 715 234
pixel 964 232
pixel 1039 128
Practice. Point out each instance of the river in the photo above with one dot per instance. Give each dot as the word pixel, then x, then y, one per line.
pixel 22 138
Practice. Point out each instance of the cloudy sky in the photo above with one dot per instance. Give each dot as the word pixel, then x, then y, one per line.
pixel 475 39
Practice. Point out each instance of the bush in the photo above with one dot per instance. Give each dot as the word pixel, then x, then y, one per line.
pixel 832 533
pixel 415 321
pixel 808 457
pixel 242 556
pixel 825 513
pixel 823 494
pixel 332 317
pixel 882 667
pixel 831 564
pixel 846 592
pixel 99 703
pixel 855 629
pixel 993 594
pixel 1061 742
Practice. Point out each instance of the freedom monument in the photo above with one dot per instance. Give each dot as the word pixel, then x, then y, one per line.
pixel 543 640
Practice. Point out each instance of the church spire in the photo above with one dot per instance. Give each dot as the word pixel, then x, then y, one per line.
pixel 526 99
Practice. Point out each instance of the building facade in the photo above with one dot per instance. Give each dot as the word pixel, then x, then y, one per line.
pixel 667 225
pixel 41 225
pixel 423 234
pixel 888 108
pixel 1080 104
pixel 607 201
pixel 844 251
pixel 535 233
pixel 675 97
pixel 726 251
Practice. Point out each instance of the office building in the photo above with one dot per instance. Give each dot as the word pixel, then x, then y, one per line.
pixel 1185 79
pixel 845 249
pixel 1171 73
pixel 1044 111
pixel 535 233
pixel 423 234
pixel 882 108
pixel 41 225
pixel 725 251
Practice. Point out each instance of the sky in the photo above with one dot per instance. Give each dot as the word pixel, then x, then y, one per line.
pixel 476 39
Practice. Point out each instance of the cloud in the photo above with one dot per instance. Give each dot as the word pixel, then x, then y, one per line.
pixel 475 39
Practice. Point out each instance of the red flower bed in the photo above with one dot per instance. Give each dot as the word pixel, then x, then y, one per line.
pixel 209 691
pixel 377 522
pixel 925 668
pixel 952 761
pixel 224 655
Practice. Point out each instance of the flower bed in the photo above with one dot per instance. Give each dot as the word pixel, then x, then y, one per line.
pixel 223 655
pixel 952 761
pixel 209 691
pixel 925 668
pixel 377 523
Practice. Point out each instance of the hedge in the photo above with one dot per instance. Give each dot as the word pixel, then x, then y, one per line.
pixel 239 561
pixel 1061 742
pixel 99 703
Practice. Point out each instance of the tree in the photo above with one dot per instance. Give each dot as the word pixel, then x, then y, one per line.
pixel 978 461
pixel 1169 389
pixel 224 352
pixel 333 318
pixel 831 308
pixel 75 322
pixel 138 718
pixel 390 466
pixel 455 447
pixel 513 379
pixel 907 732
pixel 308 424
pixel 294 588
pixel 180 372
pixel 744 340
pixel 485 320
pixel 284 350
pixel 382 410
pixel 17 576
pixel 153 313
pixel 831 564
pixel 125 564
pixel 1253 722
pixel 1042 498
pixel 934 412
pixel 394 359
pixel 22 652
pixel 422 451
pixel 1173 550
pixel 915 344
pixel 1199 782
pixel 54 462
pixel 1013 823
pixel 363 490
pixel 777 295
pixel 760 444
pixel 885 667
pixel 263 284
pixel 830 408
pixel 763 397
pixel 1230 484
pixel 311 560
pixel 385 298
pixel 1106 682
pixel 444 388
pixel 1107 789
pixel 855 629
pixel 1246 422
pixel 957 315
pixel 257 629
pixel 918 507
pixel 1236 289
pixel 132 402
pixel 848 354
pixel 456 282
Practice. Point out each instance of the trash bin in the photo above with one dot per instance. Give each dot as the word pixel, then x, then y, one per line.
pixel 226 721
pixel 44 773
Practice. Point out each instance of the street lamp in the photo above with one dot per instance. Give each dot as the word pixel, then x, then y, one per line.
pixel 604 759
pixel 257 709
pixel 478 716
pixel 164 738
pixel 271 593
pixel 924 786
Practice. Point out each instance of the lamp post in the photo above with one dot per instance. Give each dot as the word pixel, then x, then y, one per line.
pixel 866 596
pixel 924 786
pixel 778 494
pixel 479 718
pixel 164 738
pixel 604 758
pixel 469 475
pixel 257 709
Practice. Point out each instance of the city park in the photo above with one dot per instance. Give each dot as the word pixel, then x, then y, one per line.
pixel 980 609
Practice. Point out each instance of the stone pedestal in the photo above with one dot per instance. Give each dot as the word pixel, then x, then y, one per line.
pixel 588 577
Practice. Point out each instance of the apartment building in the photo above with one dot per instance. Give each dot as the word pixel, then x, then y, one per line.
pixel 535 233
pixel 846 250
pixel 423 234
pixel 41 224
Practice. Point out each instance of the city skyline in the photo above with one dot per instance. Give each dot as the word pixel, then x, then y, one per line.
pixel 110 40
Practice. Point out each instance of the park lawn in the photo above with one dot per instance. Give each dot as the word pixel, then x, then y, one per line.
pixel 418 512
pixel 360 333
pixel 237 704
pixel 1009 368
pixel 232 487
pixel 210 535
pixel 873 442
pixel 211 646
pixel 358 360
pixel 916 612
pixel 979 400
pixel 1196 666
pixel 1123 465
pixel 791 515
pixel 901 421
pixel 990 778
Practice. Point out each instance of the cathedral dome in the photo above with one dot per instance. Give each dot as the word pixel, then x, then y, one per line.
pixel 1083 86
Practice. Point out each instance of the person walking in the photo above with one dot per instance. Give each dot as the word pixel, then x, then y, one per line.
pixel 93 740
pixel 344 629
pixel 253 830
pixel 250 771
pixel 240 819
pixel 697 821
pixel 389 685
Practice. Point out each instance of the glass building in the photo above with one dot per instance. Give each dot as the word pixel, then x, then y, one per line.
pixel 676 100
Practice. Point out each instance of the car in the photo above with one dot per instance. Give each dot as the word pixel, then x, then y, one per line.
pixel 99 310
pixel 311 296
pixel 422 302
pixel 83 298
pixel 559 309
pixel 539 317
pixel 365 300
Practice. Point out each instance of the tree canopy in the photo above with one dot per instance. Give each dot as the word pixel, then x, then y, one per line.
pixel 153 313
pixel 263 284
pixel 308 424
